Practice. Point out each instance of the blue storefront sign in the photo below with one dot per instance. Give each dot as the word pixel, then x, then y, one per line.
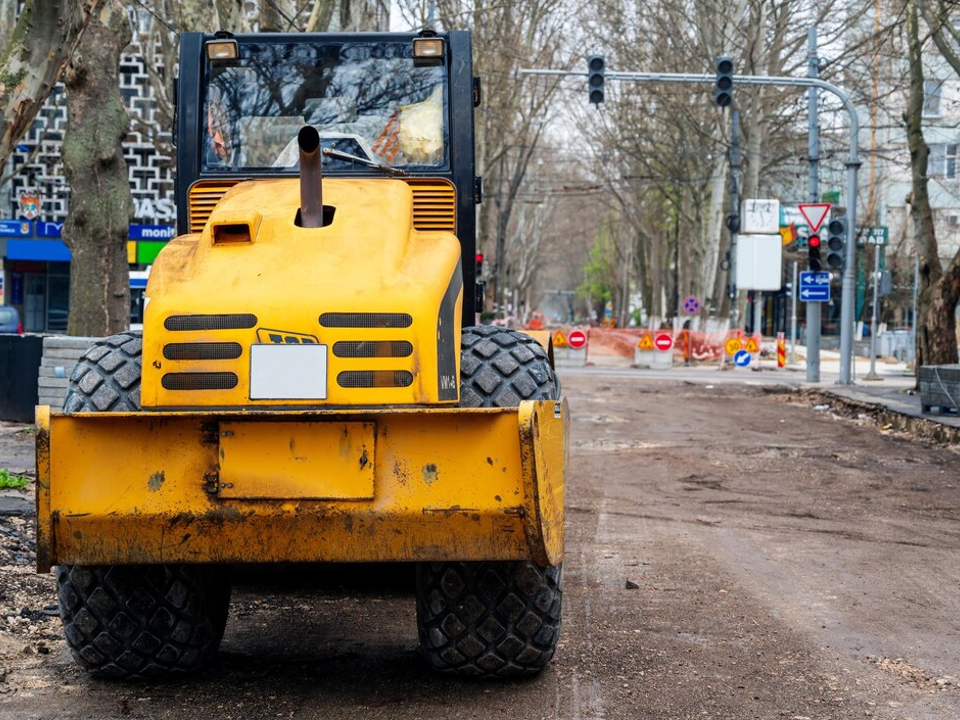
pixel 38 250
pixel 152 232
pixel 14 228
pixel 49 229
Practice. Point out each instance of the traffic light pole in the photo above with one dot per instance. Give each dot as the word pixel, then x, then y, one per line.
pixel 814 309
pixel 848 286
pixel 734 210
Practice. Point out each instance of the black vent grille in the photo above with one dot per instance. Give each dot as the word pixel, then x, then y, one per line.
pixel 200 381
pixel 366 320
pixel 374 379
pixel 202 351
pixel 240 321
pixel 373 349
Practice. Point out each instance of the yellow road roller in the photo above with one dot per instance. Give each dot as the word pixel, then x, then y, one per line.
pixel 311 384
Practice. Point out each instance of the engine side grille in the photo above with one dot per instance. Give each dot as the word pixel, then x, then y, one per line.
pixel 240 321
pixel 199 381
pixel 203 198
pixel 434 205
pixel 366 320
pixel 202 351
pixel 374 378
pixel 373 348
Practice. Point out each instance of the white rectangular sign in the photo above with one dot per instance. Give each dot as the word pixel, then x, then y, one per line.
pixel 759 262
pixel 760 217
pixel 288 372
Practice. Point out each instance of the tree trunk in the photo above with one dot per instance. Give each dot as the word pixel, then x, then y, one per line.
pixel 320 16
pixel 275 15
pixel 936 330
pixel 712 277
pixel 100 202
pixel 33 60
pixel 230 16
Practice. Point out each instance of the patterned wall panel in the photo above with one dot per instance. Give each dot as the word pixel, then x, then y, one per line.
pixel 147 148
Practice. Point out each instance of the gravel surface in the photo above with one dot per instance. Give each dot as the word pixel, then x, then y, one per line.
pixel 732 553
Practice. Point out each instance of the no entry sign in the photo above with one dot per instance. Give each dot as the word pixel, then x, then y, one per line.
pixel 663 342
pixel 577 339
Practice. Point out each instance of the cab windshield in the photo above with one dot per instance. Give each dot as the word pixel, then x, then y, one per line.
pixel 368 99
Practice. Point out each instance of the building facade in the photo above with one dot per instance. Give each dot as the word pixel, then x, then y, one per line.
pixel 34 196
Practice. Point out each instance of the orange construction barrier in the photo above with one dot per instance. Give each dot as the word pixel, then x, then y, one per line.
pixel 688 346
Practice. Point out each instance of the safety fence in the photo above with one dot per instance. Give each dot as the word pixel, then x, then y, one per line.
pixel 640 346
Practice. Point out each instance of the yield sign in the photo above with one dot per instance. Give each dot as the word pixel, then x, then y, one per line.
pixel 814 214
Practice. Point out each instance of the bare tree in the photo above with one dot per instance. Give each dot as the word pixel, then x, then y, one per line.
pixel 100 203
pixel 662 149
pixel 511 121
pixel 939 287
pixel 33 58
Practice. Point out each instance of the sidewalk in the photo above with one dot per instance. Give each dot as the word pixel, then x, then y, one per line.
pixel 893 394
pixel 893 404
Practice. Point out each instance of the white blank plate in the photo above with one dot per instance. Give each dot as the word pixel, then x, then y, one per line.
pixel 288 372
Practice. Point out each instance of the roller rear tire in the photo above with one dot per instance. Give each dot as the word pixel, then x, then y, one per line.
pixel 135 621
pixel 142 621
pixel 489 619
pixel 493 619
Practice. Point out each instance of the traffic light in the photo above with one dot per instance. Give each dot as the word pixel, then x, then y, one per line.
pixel 479 261
pixel 723 92
pixel 813 253
pixel 596 66
pixel 836 242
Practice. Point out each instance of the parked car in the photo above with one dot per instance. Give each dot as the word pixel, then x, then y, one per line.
pixel 10 320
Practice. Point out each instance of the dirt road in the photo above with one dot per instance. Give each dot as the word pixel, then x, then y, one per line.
pixel 731 554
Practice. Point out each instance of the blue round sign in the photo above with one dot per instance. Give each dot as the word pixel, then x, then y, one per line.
pixel 742 358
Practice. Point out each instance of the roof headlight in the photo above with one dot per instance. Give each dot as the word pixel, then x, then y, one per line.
pixel 428 48
pixel 222 47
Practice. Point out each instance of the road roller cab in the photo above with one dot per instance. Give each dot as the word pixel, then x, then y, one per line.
pixel 310 384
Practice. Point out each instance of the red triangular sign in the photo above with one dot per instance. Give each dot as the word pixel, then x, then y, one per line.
pixel 814 214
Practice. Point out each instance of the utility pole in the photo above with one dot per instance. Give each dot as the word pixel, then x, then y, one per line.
pixel 872 375
pixel 813 157
pixel 794 291
pixel 734 211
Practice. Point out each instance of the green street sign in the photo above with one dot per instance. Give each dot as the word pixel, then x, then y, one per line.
pixel 878 235
pixel 832 197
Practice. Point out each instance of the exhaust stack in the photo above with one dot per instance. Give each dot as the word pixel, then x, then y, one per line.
pixel 311 182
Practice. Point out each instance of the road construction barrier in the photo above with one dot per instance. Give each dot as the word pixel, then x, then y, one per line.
pixel 655 350
pixel 571 347
pixel 626 346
